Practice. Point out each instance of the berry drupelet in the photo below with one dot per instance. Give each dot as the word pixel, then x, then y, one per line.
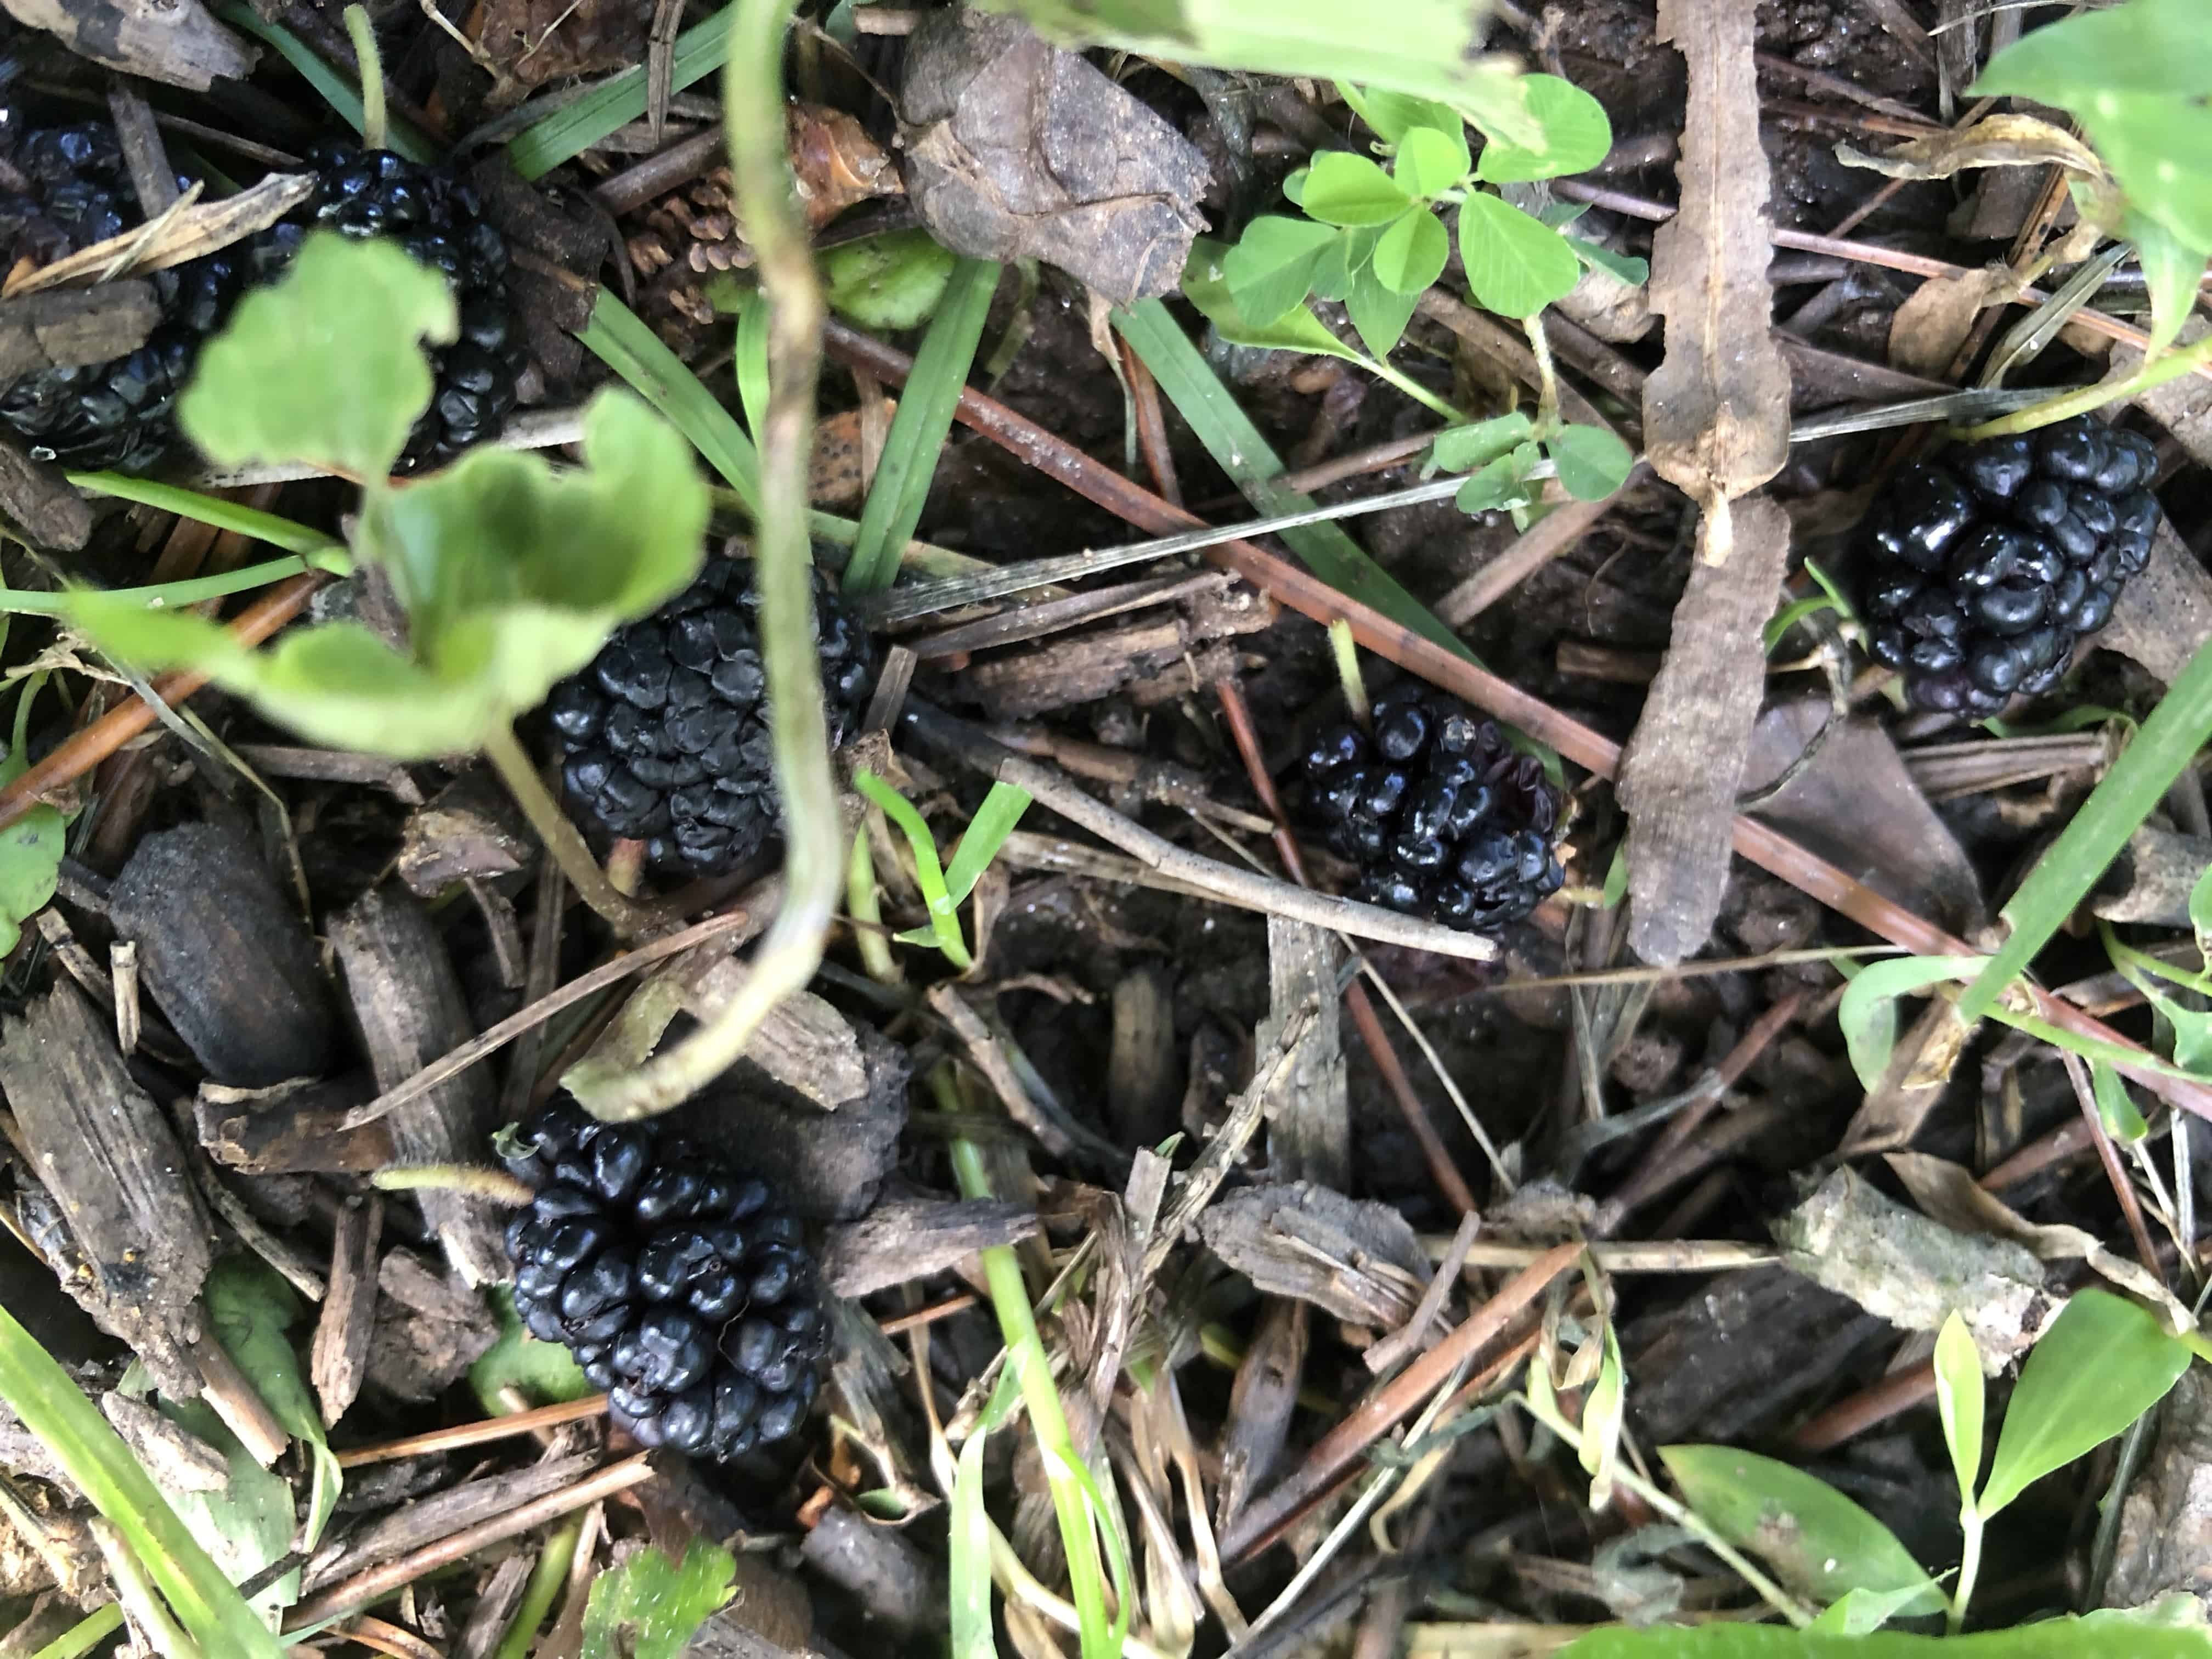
pixel 1443 818
pixel 116 414
pixel 1987 565
pixel 677 1285
pixel 666 732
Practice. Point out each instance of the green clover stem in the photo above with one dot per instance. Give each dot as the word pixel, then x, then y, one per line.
pixel 2170 366
pixel 567 849
pixel 813 832
pixel 1548 396
pixel 477 1181
pixel 371 64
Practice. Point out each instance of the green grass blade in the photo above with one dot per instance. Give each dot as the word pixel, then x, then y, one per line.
pixel 616 102
pixel 335 89
pixel 987 833
pixel 621 340
pixel 287 533
pixel 53 1407
pixel 2168 741
pixel 929 874
pixel 1190 384
pixel 83 1637
pixel 921 426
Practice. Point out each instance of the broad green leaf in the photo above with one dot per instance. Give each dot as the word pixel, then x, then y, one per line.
pixel 1348 257
pixel 2103 1364
pixel 886 283
pixel 1431 161
pixel 2200 914
pixel 2116 1108
pixel 650 1607
pixel 1464 448
pixel 513 575
pixel 545 1372
pixel 2173 272
pixel 1859 1612
pixel 246 1524
pixel 1500 486
pixel 1296 330
pixel 51 1406
pixel 1411 252
pixel 1271 269
pixel 2159 148
pixel 1624 267
pixel 1432 49
pixel 1343 189
pixel 1395 114
pixel 1959 1401
pixel 1576 136
pixel 322 366
pixel 2110 1635
pixel 1592 462
pixel 1378 313
pixel 2148 46
pixel 253 1309
pixel 1868 1012
pixel 1820 1543
pixel 1516 266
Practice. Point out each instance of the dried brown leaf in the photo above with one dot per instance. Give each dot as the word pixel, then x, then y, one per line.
pixel 1994 140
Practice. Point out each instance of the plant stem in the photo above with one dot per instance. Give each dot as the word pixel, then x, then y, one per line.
pixel 865 905
pixel 1970 1566
pixel 2172 365
pixel 566 848
pixel 1025 1353
pixel 1346 650
pixel 371 64
pixel 139 1598
pixel 1547 377
pixel 813 830
pixel 546 1578
pixel 287 533
pixel 82 1638
pixel 494 1185
pixel 175 595
pixel 1413 388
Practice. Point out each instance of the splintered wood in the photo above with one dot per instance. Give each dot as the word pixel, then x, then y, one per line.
pixel 1717 426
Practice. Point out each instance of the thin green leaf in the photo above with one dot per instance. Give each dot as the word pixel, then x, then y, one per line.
pixel 986 834
pixel 887 283
pixel 1868 1012
pixel 1778 626
pixel 84 1636
pixel 49 1403
pixel 1576 136
pixel 1190 383
pixel 968 1565
pixel 1592 460
pixel 749 361
pixel 1464 448
pixel 1622 267
pixel 1379 313
pixel 322 366
pixel 615 102
pixel 2103 1364
pixel 650 1607
pixel 2085 849
pixel 1516 266
pixel 1271 269
pixel 625 344
pixel 2116 1110
pixel 1345 189
pixel 1501 485
pixel 2200 914
pixel 919 428
pixel 1818 1542
pixel 1959 1401
pixel 287 533
pixel 1603 1413
pixel 335 89
pixel 1431 160
pixel 1411 252
pixel 1616 878
pixel 545 1372
pixel 253 1309
pixel 929 874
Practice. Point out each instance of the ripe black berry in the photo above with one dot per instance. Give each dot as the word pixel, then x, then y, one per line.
pixel 1985 567
pixel 1443 817
pixel 669 1276
pixel 118 414
pixel 666 732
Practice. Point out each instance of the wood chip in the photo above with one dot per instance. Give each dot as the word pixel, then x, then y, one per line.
pixel 175 41
pixel 913 1239
pixel 1309 1131
pixel 339 1358
pixel 1360 1260
pixel 2165 612
pixel 1715 412
pixel 1682 770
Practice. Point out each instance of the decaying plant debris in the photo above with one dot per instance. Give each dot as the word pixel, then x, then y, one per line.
pixel 1373 1263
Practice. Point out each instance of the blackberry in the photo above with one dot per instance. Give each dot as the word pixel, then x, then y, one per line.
pixel 118 414
pixel 680 1290
pixel 1443 817
pixel 1985 567
pixel 666 732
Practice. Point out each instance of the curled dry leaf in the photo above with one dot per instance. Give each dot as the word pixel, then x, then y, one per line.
pixel 527 43
pixel 1994 140
pixel 1017 149
pixel 1931 326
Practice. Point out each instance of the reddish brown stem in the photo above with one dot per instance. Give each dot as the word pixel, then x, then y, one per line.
pixel 1866 1408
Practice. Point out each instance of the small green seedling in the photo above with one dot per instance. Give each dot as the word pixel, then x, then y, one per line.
pixel 651 1606
pixel 512 573
pixel 1371 236
pixel 2102 1363
pixel 944 888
